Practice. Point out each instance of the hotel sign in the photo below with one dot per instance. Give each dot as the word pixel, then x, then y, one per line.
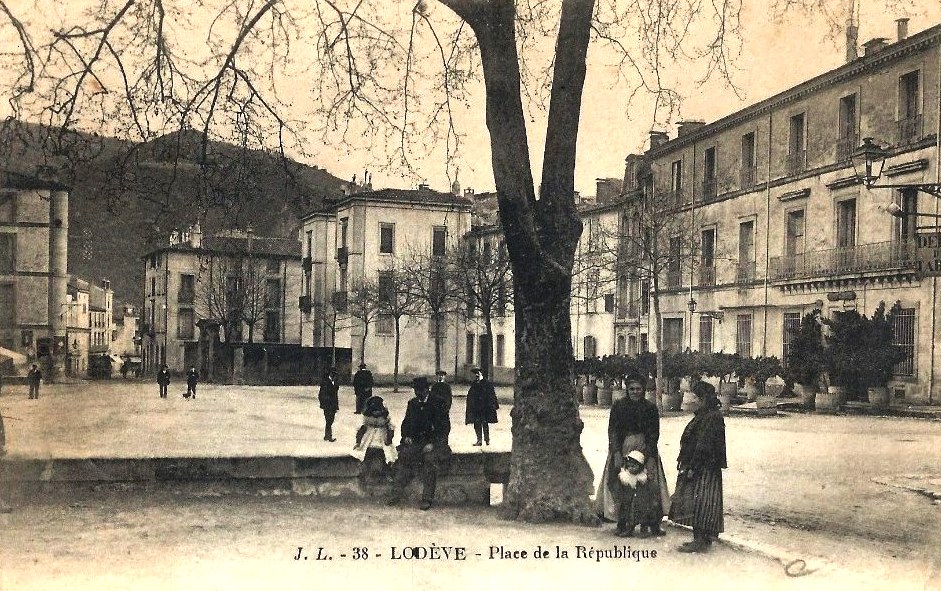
pixel 928 254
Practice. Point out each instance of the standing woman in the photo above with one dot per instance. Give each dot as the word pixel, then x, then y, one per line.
pixel 633 425
pixel 482 407
pixel 697 501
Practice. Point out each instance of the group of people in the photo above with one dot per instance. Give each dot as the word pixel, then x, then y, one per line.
pixel 163 381
pixel 633 491
pixel 425 429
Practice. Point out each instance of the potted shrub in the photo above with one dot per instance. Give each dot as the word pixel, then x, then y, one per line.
pixel 607 372
pixel 723 367
pixel 646 366
pixel 805 358
pixel 674 368
pixel 745 369
pixel 848 331
pixel 878 355
pixel 623 367
pixel 697 365
pixel 766 367
pixel 581 378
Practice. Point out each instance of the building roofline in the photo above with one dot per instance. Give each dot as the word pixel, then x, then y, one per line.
pixel 927 38
pixel 16 180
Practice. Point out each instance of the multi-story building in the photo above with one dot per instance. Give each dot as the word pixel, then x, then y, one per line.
pixel 779 223
pixel 125 338
pixel 371 236
pixel 100 304
pixel 78 326
pixel 33 258
pixel 233 287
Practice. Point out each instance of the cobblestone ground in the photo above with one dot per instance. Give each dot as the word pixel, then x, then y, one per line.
pixel 814 487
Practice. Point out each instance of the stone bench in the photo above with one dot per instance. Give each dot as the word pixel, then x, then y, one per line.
pixel 465 480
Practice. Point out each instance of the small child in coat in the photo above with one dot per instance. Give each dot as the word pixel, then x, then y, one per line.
pixel 639 502
pixel 375 432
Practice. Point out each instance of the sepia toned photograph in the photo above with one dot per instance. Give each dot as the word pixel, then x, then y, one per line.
pixel 470 294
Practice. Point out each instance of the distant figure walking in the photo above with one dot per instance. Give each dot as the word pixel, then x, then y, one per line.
pixel 362 387
pixel 163 380
pixel 192 378
pixel 34 377
pixel 441 394
pixel 482 407
pixel 697 501
pixel 329 402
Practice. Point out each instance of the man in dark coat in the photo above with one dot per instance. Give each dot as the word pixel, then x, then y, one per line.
pixel 423 445
pixel 441 394
pixel 362 387
pixel 192 378
pixel 482 407
pixel 34 377
pixel 163 380
pixel 329 402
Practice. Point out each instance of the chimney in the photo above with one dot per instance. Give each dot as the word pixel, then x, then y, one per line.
pixel 687 127
pixel 196 236
pixel 658 138
pixel 902 28
pixel 469 192
pixel 423 186
pixel 873 45
pixel 852 39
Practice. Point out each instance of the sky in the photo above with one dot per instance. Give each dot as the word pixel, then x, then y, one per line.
pixel 774 55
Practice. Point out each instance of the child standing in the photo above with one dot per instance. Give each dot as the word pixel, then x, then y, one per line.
pixel 638 497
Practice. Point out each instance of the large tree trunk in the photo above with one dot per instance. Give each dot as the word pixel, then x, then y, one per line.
pixel 549 476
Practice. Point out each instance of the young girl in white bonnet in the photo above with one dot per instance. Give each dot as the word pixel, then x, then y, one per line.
pixel 376 431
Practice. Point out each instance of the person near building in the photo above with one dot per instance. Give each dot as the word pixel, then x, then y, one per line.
pixel 34 378
pixel 482 407
pixel 329 399
pixel 192 378
pixel 633 425
pixel 362 387
pixel 441 394
pixel 422 448
pixel 163 380
pixel 697 500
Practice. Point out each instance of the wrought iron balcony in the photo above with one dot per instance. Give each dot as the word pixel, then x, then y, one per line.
pixel 709 189
pixel 845 146
pixel 879 256
pixel 796 162
pixel 910 129
pixel 674 278
pixel 748 176
pixel 707 276
pixel 745 272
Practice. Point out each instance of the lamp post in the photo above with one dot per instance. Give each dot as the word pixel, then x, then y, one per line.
pixel 868 163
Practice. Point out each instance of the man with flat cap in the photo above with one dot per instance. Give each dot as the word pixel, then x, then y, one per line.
pixel 362 387
pixel 423 445
pixel 441 394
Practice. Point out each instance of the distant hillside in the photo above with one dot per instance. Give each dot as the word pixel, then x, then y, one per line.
pixel 126 197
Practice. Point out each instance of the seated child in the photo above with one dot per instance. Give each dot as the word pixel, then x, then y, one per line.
pixel 376 431
pixel 638 500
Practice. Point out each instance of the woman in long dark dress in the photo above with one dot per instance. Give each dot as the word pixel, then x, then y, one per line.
pixel 697 501
pixel 633 425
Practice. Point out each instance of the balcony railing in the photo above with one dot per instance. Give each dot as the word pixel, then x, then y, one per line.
pixel 796 162
pixel 707 276
pixel 343 255
pixel 674 278
pixel 745 272
pixel 303 302
pixel 910 129
pixel 845 146
pixel 748 176
pixel 879 256
pixel 186 297
pixel 709 189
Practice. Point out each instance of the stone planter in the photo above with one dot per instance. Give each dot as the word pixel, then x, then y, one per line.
pixel 617 394
pixel 750 390
pixel 774 390
pixel 590 394
pixel 765 404
pixel 604 396
pixel 831 400
pixel 727 391
pixel 878 397
pixel 807 393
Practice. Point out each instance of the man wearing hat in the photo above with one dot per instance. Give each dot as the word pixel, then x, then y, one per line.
pixel 423 432
pixel 329 402
pixel 362 387
pixel 441 394
pixel 482 407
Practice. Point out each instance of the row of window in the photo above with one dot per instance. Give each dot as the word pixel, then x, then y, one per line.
pixel 439 237
pixel 909 127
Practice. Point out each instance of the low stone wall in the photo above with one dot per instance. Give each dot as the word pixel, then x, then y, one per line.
pixel 465 479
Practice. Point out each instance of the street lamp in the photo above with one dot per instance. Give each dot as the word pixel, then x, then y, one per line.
pixel 868 163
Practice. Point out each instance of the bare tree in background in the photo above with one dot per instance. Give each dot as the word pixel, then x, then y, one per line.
pixel 364 306
pixel 125 68
pixel 397 301
pixel 431 279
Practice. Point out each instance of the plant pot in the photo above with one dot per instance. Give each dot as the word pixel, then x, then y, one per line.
pixel 807 394
pixel 672 400
pixel 590 394
pixel 831 400
pixel 727 391
pixel 750 390
pixel 604 396
pixel 689 401
pixel 774 390
pixel 617 394
pixel 878 397
pixel 765 404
